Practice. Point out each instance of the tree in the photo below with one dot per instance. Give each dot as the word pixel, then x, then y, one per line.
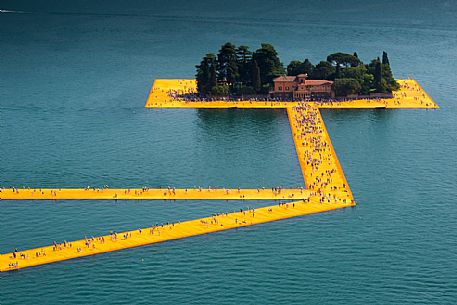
pixel 227 66
pixel 378 84
pixel 294 67
pixel 387 76
pixel 256 81
pixel 343 59
pixel 220 90
pixel 244 57
pixel 243 54
pixel 391 83
pixel 337 71
pixel 361 74
pixel 297 67
pixel 269 64
pixel 355 72
pixel 346 86
pixel 323 70
pixel 206 74
pixel 212 76
pixel 385 59
pixel 383 79
pixel 238 71
pixel 367 83
pixel 307 67
pixel 202 76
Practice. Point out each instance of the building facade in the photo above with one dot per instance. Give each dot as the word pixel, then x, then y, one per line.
pixel 299 87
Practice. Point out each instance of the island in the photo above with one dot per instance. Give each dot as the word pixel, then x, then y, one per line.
pixel 237 73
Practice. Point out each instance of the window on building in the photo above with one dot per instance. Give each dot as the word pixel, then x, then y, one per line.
pixel 280 87
pixel 287 88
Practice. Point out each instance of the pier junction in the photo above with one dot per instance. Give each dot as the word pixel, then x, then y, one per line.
pixel 326 186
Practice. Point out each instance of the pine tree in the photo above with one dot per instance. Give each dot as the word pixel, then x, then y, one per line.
pixel 244 57
pixel 269 64
pixel 212 76
pixel 203 75
pixel 323 70
pixel 294 67
pixel 355 55
pixel 307 67
pixel 227 68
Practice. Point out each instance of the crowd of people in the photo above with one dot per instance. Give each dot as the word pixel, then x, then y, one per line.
pixel 168 192
pixel 320 166
pixel 239 218
pixel 419 95
pixel 318 160
pixel 188 95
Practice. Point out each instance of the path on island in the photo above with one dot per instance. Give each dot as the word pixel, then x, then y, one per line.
pixel 327 188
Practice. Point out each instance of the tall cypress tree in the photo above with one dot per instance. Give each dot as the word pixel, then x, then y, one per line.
pixel 255 76
pixel 378 76
pixel 385 59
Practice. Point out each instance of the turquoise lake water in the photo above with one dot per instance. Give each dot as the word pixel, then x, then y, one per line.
pixel 74 79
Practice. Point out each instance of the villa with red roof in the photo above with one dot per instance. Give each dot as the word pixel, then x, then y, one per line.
pixel 299 87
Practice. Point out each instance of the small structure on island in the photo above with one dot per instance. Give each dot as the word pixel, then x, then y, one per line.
pixel 299 87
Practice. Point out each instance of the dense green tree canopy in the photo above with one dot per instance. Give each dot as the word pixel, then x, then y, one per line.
pixel 269 64
pixel 237 71
pixel 297 67
pixel 294 67
pixel 343 59
pixel 240 69
pixel 323 70
pixel 346 86
pixel 244 58
pixel 227 65
pixel 206 74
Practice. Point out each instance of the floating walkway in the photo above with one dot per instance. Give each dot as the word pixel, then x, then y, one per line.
pixel 410 95
pixel 117 241
pixel 326 185
pixel 318 161
pixel 154 194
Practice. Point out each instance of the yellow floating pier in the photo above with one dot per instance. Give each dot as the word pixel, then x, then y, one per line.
pixel 318 161
pixel 124 240
pixel 154 194
pixel 164 91
pixel 327 188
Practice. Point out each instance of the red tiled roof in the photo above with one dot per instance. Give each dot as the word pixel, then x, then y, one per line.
pixel 284 78
pixel 317 82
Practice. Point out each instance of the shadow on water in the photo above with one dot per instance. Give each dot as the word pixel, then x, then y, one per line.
pixel 351 114
pixel 231 117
